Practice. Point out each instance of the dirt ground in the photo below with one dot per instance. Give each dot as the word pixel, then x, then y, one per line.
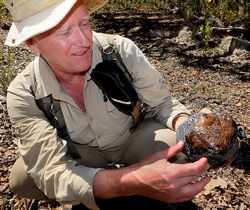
pixel 197 81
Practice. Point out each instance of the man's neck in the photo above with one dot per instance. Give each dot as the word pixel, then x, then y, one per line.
pixel 73 85
pixel 74 88
pixel 69 79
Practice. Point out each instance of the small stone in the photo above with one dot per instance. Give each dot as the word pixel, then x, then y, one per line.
pixel 3 188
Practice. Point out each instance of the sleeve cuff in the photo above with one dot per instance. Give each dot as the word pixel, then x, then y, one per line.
pixel 88 198
pixel 173 116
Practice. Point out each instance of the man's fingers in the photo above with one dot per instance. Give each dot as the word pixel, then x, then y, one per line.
pixel 183 181
pixel 193 169
pixel 174 150
pixel 205 110
pixel 164 154
pixel 190 190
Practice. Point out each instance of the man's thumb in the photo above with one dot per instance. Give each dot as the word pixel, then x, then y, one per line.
pixel 174 150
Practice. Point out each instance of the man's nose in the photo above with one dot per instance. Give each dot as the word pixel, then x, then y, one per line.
pixel 81 36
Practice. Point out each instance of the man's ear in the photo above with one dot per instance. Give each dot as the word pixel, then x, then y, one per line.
pixel 31 43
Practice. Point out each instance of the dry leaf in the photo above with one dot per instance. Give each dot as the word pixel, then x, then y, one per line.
pixel 218 182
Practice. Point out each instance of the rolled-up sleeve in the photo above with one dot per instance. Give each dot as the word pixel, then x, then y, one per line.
pixel 150 84
pixel 44 153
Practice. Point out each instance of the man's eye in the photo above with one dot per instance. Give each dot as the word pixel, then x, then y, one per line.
pixel 85 25
pixel 65 33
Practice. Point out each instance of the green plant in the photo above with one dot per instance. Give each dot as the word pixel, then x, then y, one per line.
pixel 7 74
pixel 1 3
pixel 134 4
pixel 226 10
pixel 4 15
pixel 190 8
pixel 206 32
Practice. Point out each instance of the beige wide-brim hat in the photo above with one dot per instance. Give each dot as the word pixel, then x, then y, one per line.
pixel 32 17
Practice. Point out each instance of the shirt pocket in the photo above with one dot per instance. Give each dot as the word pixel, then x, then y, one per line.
pixel 83 135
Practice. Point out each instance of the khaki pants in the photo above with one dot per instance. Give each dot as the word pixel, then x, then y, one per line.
pixel 147 139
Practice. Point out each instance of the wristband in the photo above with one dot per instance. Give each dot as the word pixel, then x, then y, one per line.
pixel 182 114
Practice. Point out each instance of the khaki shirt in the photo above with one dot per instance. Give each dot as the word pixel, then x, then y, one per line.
pixel 102 125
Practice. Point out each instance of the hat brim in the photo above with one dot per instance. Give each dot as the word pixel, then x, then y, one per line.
pixel 39 23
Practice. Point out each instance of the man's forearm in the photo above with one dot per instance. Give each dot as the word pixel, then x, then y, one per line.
pixel 110 183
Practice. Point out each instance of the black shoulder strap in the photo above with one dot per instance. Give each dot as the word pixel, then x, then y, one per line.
pixel 109 52
pixel 53 112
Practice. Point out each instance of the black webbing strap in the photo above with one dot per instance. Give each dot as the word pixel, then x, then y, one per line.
pixel 110 53
pixel 53 112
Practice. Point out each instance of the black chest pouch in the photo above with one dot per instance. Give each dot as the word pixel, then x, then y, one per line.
pixel 115 86
pixel 118 89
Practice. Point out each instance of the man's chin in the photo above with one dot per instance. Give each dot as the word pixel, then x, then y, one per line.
pixel 81 69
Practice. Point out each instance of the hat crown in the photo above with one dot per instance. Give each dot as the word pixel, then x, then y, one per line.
pixel 21 9
pixel 32 17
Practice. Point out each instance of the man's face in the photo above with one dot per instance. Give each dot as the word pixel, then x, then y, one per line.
pixel 68 47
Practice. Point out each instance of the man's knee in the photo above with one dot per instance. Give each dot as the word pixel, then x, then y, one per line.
pixel 21 184
pixel 166 136
pixel 17 176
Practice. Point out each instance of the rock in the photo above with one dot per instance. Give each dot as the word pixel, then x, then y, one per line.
pixel 185 36
pixel 214 21
pixel 230 43
pixel 217 182
pixel 3 187
pixel 211 135
pixel 5 26
pixel 135 29
pixel 2 99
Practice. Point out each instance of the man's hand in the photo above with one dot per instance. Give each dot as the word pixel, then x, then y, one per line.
pixel 155 178
pixel 169 182
pixel 205 110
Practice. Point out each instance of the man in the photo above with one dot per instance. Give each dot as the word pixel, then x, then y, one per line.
pixel 60 34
